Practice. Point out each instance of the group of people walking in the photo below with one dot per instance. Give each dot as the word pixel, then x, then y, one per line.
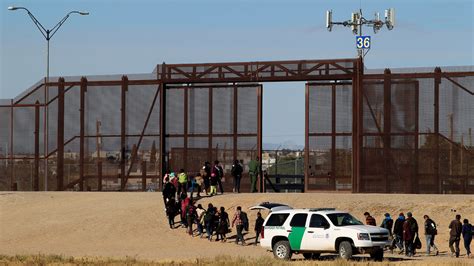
pixel 405 233
pixel 209 179
pixel 211 221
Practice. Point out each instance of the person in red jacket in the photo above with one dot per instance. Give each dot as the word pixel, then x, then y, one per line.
pixel 184 204
pixel 369 220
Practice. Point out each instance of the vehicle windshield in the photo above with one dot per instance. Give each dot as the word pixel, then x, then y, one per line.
pixel 343 219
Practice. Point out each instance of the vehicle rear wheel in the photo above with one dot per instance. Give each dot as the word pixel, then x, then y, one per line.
pixel 377 254
pixel 311 256
pixel 282 250
pixel 345 250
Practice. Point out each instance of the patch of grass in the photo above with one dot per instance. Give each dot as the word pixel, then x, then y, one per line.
pixel 224 260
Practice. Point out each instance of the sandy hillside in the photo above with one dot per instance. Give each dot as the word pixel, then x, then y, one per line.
pixel 134 224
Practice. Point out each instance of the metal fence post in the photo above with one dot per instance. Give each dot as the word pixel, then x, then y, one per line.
pixel 12 161
pixel 437 81
pixel 333 137
pixel 235 124
pixel 36 170
pixel 210 117
pixel 387 128
pixel 357 126
pixel 81 134
pixel 306 140
pixel 185 129
pixel 99 175
pixel 259 134
pixel 60 137
pixel 162 122
pixel 143 175
pixel 416 182
pixel 123 113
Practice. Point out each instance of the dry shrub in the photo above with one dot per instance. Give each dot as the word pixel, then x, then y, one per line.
pixel 224 260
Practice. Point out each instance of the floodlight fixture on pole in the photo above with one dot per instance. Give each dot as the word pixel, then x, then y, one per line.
pixel 47 34
pixel 357 21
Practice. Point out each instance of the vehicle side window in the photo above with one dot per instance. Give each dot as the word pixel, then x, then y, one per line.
pixel 299 220
pixel 277 219
pixel 318 221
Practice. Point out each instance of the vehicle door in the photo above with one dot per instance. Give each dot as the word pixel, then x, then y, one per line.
pixel 318 235
pixel 297 230
pixel 274 226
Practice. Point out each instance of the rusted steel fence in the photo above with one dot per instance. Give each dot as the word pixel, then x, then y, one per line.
pixel 391 132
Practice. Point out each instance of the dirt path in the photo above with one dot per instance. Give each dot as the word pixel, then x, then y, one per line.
pixel 134 224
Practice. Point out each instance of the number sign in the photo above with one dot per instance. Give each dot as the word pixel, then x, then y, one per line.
pixel 363 42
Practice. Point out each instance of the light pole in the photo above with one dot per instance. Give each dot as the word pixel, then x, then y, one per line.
pixel 47 34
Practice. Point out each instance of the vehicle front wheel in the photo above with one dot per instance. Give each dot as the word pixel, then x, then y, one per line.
pixel 311 256
pixel 377 254
pixel 345 250
pixel 282 250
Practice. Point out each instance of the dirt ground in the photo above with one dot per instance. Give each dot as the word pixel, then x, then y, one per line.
pixel 117 225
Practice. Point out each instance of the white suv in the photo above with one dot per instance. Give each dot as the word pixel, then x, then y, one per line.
pixel 315 231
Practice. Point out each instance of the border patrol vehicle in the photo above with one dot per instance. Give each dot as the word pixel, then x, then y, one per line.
pixel 314 231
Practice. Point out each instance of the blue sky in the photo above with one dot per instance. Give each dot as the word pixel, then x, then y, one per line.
pixel 133 36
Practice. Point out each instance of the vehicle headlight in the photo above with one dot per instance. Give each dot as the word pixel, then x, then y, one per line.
pixel 363 236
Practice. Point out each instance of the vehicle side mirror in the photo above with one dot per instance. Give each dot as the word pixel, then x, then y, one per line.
pixel 326 226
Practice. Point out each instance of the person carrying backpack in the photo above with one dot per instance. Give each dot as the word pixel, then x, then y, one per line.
pixel 398 233
pixel 430 233
pixel 239 225
pixel 387 223
pixel 245 220
pixel 410 233
pixel 467 232
pixel 237 174
pixel 168 191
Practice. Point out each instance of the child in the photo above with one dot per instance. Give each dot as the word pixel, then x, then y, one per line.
pixel 199 180
pixel 174 180
pixel 200 212
pixel 214 181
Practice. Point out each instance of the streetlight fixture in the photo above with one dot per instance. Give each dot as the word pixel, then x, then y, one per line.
pixel 47 34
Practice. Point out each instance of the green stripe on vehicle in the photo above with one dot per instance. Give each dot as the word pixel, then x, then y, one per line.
pixel 295 237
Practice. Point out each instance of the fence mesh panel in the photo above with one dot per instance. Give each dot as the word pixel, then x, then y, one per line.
pixel 416 133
